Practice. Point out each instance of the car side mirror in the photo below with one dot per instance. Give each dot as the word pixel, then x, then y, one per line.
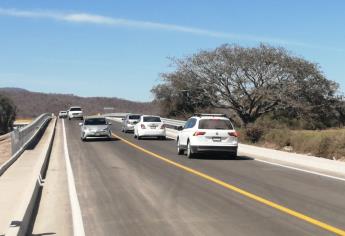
pixel 179 128
pixel 80 124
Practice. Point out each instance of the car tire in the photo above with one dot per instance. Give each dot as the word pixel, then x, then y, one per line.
pixel 180 151
pixel 190 154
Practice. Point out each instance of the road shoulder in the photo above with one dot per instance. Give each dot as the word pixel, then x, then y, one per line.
pixel 54 213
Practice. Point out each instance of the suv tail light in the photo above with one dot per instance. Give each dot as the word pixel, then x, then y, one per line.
pixel 233 134
pixel 199 133
pixel 142 126
pixel 163 126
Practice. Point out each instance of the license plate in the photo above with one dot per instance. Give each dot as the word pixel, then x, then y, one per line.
pixel 216 139
pixel 153 126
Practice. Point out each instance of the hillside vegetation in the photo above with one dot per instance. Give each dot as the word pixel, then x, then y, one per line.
pixel 31 104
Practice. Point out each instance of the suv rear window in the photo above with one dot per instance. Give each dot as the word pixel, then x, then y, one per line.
pixel 95 121
pixel 152 119
pixel 75 109
pixel 134 117
pixel 215 124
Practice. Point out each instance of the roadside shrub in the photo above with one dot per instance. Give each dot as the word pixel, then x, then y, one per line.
pixel 253 133
pixel 280 137
pixel 7 114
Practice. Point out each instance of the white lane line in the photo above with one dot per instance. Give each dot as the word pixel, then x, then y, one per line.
pixel 302 170
pixel 78 226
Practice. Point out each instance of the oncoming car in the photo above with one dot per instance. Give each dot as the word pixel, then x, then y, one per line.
pixel 129 122
pixel 95 127
pixel 150 126
pixel 75 112
pixel 207 133
pixel 63 114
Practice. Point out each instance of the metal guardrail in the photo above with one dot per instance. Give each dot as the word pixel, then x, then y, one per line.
pixel 171 123
pixel 116 114
pixel 20 136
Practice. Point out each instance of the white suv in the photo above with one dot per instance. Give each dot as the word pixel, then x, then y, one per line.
pixel 75 112
pixel 205 133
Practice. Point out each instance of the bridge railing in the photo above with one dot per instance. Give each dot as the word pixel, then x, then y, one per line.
pixel 21 138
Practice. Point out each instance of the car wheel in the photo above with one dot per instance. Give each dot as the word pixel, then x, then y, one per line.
pixel 180 151
pixel 190 154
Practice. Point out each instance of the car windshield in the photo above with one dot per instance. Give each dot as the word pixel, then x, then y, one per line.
pixel 75 109
pixel 95 121
pixel 134 117
pixel 152 119
pixel 215 124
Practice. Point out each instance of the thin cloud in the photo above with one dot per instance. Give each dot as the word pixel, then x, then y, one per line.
pixel 119 22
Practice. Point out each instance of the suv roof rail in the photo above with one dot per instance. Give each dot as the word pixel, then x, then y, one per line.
pixel 203 114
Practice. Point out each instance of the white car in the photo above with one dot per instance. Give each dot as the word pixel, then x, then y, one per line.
pixel 75 112
pixel 207 133
pixel 129 122
pixel 150 126
pixel 63 114
pixel 95 127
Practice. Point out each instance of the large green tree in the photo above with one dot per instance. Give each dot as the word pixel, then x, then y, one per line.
pixel 251 82
pixel 7 114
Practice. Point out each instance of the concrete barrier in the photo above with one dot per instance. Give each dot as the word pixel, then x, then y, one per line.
pixel 21 220
pixel 30 139
pixel 5 136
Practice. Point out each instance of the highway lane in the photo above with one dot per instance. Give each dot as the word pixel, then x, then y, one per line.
pixel 123 191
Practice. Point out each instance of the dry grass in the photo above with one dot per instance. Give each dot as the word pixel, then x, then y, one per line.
pixel 326 143
pixel 5 150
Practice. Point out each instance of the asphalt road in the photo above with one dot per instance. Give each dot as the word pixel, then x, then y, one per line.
pixel 124 191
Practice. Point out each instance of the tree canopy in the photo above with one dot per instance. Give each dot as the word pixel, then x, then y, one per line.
pixel 7 114
pixel 251 82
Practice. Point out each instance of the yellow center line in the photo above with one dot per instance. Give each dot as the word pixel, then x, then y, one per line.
pixel 240 191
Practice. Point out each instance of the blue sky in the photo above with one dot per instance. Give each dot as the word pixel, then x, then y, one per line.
pixel 118 48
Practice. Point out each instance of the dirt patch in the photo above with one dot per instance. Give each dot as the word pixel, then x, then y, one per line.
pixel 5 150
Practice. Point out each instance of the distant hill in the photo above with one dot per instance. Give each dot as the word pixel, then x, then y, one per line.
pixel 32 104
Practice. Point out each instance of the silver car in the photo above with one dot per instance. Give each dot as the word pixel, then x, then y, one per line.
pixel 129 122
pixel 95 127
